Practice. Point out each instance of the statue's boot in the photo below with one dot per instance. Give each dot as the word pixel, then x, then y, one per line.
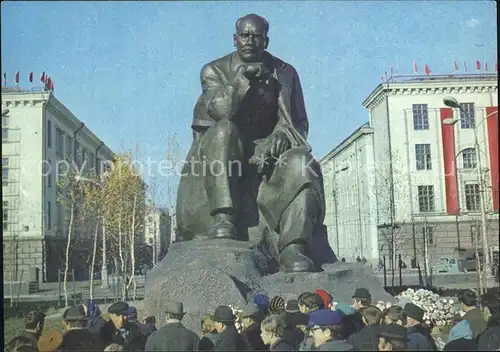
pixel 293 259
pixel 223 227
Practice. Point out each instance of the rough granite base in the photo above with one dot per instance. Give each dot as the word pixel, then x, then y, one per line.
pixel 206 273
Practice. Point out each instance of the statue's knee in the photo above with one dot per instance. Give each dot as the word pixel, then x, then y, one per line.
pixel 299 161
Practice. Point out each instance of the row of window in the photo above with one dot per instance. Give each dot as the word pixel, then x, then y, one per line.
pixel 5 215
pixel 426 196
pixel 64 147
pixel 423 157
pixel 421 116
pixel 428 234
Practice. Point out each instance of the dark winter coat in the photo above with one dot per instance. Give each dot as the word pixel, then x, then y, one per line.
pixel 81 340
pixel 252 338
pixel 230 340
pixel 173 337
pixel 282 345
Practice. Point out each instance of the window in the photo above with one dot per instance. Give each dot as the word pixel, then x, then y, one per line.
pixel 48 174
pixel 49 134
pixel 91 160
pixel 426 198
pixel 469 158
pixel 85 157
pixel 49 215
pixel 423 156
pixel 472 198
pixel 69 147
pixel 420 117
pixel 5 121
pixel 467 121
pixel 5 176
pixel 59 142
pixel 98 165
pixel 428 235
pixel 5 161
pixel 5 217
pixel 475 234
pixel 5 134
pixel 78 154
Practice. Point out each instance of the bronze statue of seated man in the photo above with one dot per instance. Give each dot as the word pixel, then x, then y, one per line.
pixel 250 131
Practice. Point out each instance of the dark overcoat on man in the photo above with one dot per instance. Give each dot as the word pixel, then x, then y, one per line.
pixel 172 337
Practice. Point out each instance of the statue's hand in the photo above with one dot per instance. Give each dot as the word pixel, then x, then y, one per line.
pixel 256 71
pixel 279 144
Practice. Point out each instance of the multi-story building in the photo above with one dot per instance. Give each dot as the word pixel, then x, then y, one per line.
pixel 40 136
pixel 426 183
pixel 351 207
pixel 157 231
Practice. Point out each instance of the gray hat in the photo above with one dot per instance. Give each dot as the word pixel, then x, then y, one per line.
pixel 250 310
pixel 176 308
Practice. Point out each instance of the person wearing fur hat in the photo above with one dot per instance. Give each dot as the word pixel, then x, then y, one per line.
pixel 229 338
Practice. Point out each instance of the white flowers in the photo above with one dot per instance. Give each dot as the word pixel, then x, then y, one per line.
pixel 438 311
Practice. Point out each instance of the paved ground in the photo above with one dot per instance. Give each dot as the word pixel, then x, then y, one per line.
pixel 81 290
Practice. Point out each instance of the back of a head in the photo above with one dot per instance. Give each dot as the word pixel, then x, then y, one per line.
pixel 114 347
pixel 393 314
pixel 468 298
pixel 372 315
pixel 207 324
pixel 277 305
pixel 33 318
pixel 312 301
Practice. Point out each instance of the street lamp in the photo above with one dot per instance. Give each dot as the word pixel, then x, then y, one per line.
pixel 453 103
pixel 104 269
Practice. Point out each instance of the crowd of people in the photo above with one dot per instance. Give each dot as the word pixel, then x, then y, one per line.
pixel 312 322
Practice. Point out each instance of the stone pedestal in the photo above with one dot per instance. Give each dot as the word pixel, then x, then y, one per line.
pixel 206 273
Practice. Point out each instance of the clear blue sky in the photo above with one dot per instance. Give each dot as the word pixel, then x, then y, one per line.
pixel 130 70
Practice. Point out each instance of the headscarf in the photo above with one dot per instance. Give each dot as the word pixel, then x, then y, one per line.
pixel 345 308
pixel 262 301
pixel 93 311
pixel 461 330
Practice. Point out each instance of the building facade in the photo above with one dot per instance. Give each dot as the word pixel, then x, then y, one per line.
pixel 424 168
pixel 351 207
pixel 157 231
pixel 40 137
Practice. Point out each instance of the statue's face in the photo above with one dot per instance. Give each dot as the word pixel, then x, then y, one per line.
pixel 251 40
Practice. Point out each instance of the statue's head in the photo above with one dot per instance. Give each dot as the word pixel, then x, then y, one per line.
pixel 251 38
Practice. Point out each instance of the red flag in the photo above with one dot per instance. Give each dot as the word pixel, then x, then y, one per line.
pixel 52 85
pixel 465 66
pixel 16 77
pixel 31 77
pixel 478 65
pixel 427 70
pixel 485 66
pixel 42 77
pixel 455 66
pixel 415 67
pixel 49 83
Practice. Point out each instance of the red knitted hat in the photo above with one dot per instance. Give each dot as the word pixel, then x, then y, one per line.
pixel 324 296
